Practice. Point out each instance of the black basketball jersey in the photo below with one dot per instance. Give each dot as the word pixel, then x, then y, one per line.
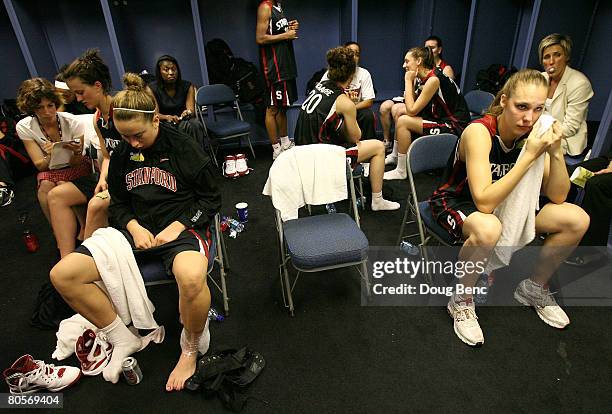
pixel 447 105
pixel 318 122
pixel 277 59
pixel 111 136
pixel 456 186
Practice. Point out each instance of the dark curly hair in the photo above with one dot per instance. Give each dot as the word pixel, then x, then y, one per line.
pixel 31 92
pixel 341 64
pixel 89 67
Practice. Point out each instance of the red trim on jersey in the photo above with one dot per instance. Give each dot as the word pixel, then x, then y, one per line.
pixel 276 63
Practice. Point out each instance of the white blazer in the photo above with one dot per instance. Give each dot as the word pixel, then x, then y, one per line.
pixel 570 105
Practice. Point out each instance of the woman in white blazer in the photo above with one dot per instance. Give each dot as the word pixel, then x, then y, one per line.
pixel 569 92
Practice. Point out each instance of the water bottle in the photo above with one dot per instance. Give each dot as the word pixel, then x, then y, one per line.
pixel 31 241
pixel 215 316
pixel 235 225
pixel 331 208
pixel 360 202
pixel 409 248
pixel 482 282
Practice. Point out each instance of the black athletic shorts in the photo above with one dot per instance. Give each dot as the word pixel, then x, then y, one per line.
pixel 452 217
pixel 435 128
pixel 189 240
pixel 87 184
pixel 282 93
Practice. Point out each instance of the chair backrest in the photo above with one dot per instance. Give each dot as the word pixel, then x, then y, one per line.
pixel 430 152
pixel 478 101
pixel 214 94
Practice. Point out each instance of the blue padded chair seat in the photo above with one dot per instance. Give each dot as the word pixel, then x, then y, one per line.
pixel 227 127
pixel 153 270
pixel 430 223
pixel 572 160
pixel 324 240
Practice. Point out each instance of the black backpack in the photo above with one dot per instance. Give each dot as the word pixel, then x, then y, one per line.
pixel 218 61
pixel 246 81
pixel 493 78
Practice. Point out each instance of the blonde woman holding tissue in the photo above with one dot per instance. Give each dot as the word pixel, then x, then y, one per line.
pixel 569 92
pixel 484 171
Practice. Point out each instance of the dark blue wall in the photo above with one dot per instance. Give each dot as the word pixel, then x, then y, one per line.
pixel 56 32
pixel 148 29
pixel 493 36
pixel 64 27
pixel 14 69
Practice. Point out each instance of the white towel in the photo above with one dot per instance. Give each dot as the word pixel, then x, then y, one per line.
pixel 307 174
pixel 121 277
pixel 517 211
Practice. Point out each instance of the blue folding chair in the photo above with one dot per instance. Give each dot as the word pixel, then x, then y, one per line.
pixel 478 101
pixel 425 154
pixel 220 127
pixel 321 242
pixel 153 271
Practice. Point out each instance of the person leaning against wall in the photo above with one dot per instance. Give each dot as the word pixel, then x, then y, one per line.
pixel 569 92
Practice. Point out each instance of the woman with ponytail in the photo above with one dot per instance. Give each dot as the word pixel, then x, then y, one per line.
pixel 483 170
pixel 164 198
pixel 434 105
pixel 89 78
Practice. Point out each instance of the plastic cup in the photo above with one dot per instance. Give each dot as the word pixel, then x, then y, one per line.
pixel 242 209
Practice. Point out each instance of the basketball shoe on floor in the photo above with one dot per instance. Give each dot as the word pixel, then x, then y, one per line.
pixel 287 145
pixel 241 165
pixel 27 376
pixel 93 352
pixel 530 293
pixel 229 167
pixel 465 321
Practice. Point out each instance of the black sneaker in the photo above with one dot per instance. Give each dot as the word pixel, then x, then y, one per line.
pixel 6 196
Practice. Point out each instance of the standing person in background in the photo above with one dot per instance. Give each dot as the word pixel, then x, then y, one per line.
pixel 275 35
pixel 435 44
pixel 569 92
pixel 176 97
pixel 361 92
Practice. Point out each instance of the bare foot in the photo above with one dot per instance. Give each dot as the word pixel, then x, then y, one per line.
pixel 184 369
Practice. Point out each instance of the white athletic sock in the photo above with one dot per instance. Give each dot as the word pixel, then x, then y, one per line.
pixel 401 162
pixel 379 203
pixel 395 147
pixel 284 141
pixel 125 343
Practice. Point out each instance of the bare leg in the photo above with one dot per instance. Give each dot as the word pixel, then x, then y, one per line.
pixel 385 119
pixel 566 224
pixel 271 124
pixel 73 278
pixel 481 232
pixel 189 268
pixel 97 215
pixel 61 199
pixel 373 151
pixel 404 128
pixel 43 190
pixel 281 122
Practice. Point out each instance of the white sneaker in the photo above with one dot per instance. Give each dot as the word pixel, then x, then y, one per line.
pixel 391 159
pixel 288 145
pixel 229 167
pixel 241 165
pixel 276 152
pixel 395 174
pixel 380 204
pixel 27 376
pixel 465 321
pixel 530 293
pixel 93 351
